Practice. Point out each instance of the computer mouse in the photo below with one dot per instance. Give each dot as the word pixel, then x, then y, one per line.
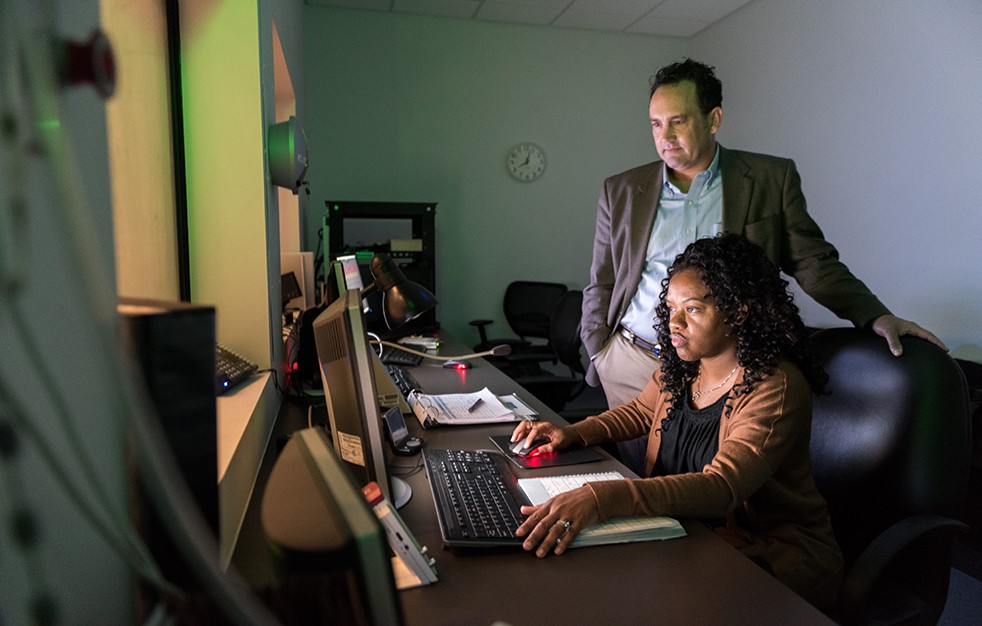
pixel 520 449
pixel 457 364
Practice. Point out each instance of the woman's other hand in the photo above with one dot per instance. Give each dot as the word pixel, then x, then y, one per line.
pixel 554 524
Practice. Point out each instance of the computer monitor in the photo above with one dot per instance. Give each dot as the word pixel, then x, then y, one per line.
pixel 351 395
pixel 350 273
pixel 345 273
pixel 323 524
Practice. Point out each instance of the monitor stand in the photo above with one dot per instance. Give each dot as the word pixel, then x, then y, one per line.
pixel 401 492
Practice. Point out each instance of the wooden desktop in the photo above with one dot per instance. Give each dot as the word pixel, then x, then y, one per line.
pixel 697 579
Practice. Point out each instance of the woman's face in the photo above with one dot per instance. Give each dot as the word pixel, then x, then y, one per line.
pixel 696 324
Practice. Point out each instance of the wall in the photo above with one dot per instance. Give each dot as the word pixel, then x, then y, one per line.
pixel 142 175
pixel 877 103
pixel 227 201
pixel 876 96
pixel 414 108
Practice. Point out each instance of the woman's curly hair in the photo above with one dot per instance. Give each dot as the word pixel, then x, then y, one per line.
pixel 756 306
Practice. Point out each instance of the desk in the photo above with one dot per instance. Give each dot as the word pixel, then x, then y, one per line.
pixel 695 580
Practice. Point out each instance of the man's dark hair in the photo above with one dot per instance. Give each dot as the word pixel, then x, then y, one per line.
pixel 709 89
pixel 757 308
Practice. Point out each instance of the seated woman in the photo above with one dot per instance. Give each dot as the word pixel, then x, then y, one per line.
pixel 728 418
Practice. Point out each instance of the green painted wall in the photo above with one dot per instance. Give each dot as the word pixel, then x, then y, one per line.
pixel 414 108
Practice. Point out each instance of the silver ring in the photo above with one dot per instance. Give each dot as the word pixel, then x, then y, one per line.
pixel 565 524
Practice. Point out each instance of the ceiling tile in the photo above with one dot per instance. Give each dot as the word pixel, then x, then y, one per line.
pixel 521 13
pixel 636 8
pixel 548 4
pixel 672 18
pixel 654 25
pixel 573 18
pixel 445 8
pixel 375 5
pixel 698 10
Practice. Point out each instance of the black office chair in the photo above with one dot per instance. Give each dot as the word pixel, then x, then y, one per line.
pixel 554 389
pixel 528 307
pixel 558 390
pixel 890 447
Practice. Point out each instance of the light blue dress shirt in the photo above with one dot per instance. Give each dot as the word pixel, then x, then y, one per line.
pixel 682 218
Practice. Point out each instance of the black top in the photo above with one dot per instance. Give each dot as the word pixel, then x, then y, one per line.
pixel 690 439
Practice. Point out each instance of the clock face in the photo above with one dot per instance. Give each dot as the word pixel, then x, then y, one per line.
pixel 526 162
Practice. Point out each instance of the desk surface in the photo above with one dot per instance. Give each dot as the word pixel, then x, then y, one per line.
pixel 697 579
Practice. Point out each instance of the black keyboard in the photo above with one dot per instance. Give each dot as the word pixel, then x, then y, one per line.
pixel 231 369
pixel 477 497
pixel 395 356
pixel 403 379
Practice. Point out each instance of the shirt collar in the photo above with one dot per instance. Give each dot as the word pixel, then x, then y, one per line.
pixel 709 175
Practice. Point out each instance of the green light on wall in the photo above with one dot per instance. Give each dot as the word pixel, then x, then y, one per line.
pixel 49 124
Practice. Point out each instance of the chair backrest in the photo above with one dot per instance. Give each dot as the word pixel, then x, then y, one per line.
pixel 891 438
pixel 528 307
pixel 564 330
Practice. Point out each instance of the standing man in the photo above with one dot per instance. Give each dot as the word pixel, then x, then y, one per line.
pixel 647 215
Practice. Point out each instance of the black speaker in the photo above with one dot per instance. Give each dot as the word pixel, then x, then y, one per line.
pixel 173 346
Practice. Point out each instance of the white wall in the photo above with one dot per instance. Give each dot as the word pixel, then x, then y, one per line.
pixel 878 103
pixel 412 108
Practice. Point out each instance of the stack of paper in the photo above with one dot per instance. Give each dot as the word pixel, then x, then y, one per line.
pixel 480 407
pixel 615 530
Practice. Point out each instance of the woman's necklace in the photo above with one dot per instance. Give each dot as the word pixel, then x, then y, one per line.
pixel 698 394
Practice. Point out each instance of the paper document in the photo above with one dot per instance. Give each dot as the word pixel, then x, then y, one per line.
pixel 614 530
pixel 480 407
pixel 518 407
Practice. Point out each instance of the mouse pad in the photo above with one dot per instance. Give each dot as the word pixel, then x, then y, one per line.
pixel 569 456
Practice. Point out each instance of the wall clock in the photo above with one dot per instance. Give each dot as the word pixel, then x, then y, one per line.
pixel 526 162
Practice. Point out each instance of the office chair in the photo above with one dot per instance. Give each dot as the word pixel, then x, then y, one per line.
pixel 558 390
pixel 528 307
pixel 890 453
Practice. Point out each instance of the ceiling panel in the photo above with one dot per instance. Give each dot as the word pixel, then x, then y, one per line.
pixel 672 18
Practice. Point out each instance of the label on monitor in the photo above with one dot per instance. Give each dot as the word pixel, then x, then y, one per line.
pixel 351 450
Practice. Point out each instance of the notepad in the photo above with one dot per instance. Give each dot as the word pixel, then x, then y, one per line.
pixel 614 530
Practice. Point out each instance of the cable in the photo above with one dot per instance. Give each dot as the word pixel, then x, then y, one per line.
pixel 501 350
pixel 140 561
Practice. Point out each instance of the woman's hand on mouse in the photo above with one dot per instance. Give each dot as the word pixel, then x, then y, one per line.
pixel 554 524
pixel 559 438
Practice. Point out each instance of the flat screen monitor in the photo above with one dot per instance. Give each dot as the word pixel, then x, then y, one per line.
pixel 345 273
pixel 351 395
pixel 322 523
pixel 350 273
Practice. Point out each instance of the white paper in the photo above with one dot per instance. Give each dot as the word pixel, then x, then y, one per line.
pixel 480 407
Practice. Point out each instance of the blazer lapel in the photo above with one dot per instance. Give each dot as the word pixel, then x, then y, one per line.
pixel 646 196
pixel 737 190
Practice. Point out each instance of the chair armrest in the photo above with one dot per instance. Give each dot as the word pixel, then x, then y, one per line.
pixel 866 572
pixel 482 329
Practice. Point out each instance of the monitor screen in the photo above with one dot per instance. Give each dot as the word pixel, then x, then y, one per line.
pixel 351 395
pixel 323 523
pixel 345 273
pixel 350 273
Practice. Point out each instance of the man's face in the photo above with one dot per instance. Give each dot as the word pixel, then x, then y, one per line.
pixel 684 137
